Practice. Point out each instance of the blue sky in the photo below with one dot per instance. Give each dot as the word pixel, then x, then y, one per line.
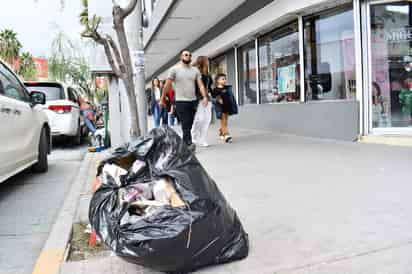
pixel 37 22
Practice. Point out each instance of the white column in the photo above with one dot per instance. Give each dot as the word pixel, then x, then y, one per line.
pixel 301 58
pixel 257 71
pixel 236 76
pixel 358 58
pixel 134 34
pixel 115 120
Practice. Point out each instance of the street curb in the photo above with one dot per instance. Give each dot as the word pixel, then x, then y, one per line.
pixel 53 252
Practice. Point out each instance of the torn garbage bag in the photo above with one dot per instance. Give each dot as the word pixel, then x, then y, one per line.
pixel 185 223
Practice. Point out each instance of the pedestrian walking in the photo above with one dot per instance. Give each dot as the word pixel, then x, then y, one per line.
pixel 171 108
pixel 225 105
pixel 150 101
pixel 159 112
pixel 203 115
pixel 184 76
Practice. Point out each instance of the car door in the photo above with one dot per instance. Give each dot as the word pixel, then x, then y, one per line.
pixel 74 99
pixel 8 131
pixel 21 142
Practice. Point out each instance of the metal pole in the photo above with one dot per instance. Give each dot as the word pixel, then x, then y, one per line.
pixel 134 30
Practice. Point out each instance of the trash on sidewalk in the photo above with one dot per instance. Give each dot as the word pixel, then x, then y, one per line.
pixel 115 172
pixel 157 207
pixel 97 141
pixel 164 192
pixel 88 229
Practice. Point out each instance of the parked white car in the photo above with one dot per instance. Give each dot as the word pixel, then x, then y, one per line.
pixel 62 109
pixel 24 128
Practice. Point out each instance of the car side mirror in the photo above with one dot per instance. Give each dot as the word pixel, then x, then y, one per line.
pixel 37 98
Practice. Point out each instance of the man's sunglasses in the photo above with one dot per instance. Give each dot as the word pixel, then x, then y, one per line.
pixel 187 55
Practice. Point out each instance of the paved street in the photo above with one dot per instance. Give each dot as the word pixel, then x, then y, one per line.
pixel 28 206
pixel 310 206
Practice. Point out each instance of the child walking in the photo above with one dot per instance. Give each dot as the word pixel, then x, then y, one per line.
pixel 225 105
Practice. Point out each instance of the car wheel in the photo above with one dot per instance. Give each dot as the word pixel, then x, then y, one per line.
pixel 77 139
pixel 42 165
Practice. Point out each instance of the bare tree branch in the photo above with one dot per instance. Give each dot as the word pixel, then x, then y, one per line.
pixel 116 53
pixel 128 9
pixel 110 59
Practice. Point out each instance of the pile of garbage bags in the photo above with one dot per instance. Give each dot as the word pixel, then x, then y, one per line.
pixel 157 207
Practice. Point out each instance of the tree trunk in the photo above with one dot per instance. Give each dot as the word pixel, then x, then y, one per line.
pixel 134 116
pixel 128 71
pixel 123 69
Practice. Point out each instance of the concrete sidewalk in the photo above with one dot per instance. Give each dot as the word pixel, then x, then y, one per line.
pixel 309 206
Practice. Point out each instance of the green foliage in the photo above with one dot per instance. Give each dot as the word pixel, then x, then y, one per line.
pixel 10 46
pixel 100 94
pixel 67 64
pixel 27 68
pixel 91 25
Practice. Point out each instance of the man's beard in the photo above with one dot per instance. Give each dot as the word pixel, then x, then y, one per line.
pixel 187 62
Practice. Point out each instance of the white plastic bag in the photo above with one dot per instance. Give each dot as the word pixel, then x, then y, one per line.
pixel 201 123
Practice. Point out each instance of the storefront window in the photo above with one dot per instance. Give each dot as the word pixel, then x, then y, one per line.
pixel 247 74
pixel 279 65
pixel 218 65
pixel 330 55
pixel 391 44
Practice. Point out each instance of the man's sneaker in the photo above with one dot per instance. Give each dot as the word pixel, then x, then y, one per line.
pixel 228 139
pixel 192 148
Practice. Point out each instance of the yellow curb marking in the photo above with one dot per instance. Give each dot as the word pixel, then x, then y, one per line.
pixel 386 140
pixel 49 262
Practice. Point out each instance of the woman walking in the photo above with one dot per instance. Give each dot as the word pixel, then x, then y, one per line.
pixel 203 115
pixel 225 105
pixel 159 113
pixel 171 108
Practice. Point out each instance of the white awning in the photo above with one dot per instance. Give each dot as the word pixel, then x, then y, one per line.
pixel 177 24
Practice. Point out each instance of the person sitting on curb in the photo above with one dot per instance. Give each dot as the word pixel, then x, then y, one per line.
pixel 88 115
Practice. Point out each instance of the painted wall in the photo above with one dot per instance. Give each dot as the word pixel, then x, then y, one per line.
pixel 330 119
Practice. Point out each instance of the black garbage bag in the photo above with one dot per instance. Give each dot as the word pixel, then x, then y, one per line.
pixel 205 232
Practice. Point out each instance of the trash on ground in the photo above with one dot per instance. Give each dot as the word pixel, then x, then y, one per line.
pixel 157 207
pixel 164 192
pixel 115 172
pixel 88 229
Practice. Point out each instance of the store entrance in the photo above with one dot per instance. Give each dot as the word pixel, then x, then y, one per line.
pixel 391 67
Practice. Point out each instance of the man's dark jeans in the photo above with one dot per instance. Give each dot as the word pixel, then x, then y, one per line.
pixel 186 112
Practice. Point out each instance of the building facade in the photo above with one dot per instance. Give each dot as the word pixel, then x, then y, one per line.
pixel 329 69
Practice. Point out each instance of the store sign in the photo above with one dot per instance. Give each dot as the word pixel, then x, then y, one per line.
pixel 398 35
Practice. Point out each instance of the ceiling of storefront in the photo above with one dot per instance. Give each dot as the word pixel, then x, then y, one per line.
pixel 185 23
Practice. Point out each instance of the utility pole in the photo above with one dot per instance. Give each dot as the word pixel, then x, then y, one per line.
pixel 134 32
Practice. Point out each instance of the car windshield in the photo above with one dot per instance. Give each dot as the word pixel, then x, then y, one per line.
pixel 52 92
